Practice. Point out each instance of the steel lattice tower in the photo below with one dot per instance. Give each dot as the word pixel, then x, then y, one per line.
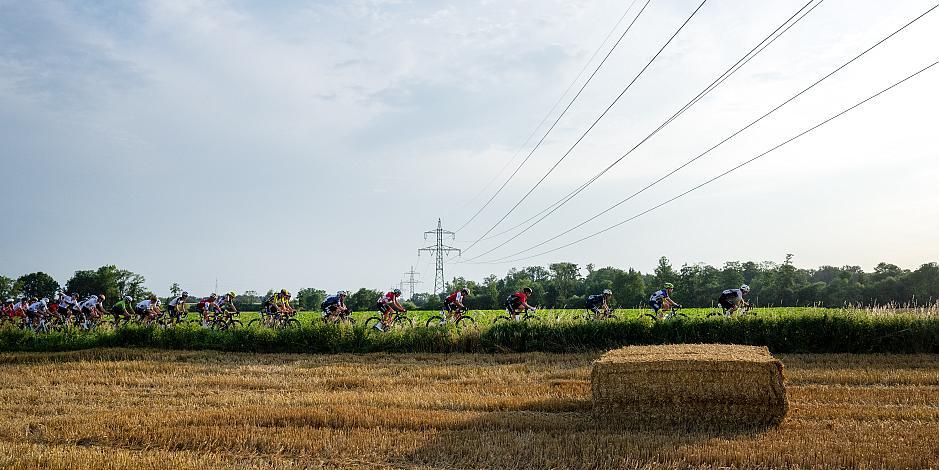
pixel 411 281
pixel 439 250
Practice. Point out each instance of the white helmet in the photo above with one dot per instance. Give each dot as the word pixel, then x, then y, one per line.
pixel 45 300
pixel 607 292
pixel 128 298
pixel 9 301
pixel 745 288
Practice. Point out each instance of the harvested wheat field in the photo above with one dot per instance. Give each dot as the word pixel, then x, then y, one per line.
pixel 131 408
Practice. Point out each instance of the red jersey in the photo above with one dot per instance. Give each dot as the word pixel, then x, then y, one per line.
pixel 387 298
pixel 522 297
pixel 458 295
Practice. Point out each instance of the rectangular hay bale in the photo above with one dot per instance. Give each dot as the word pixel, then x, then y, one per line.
pixel 691 383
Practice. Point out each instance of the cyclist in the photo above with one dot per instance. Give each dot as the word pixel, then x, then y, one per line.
pixel 335 306
pixel 281 302
pixel 227 303
pixel 122 309
pixel 454 302
pixel 37 309
pixel 518 302
pixel 598 303
pixel 732 299
pixel 662 299
pixel 177 305
pixel 68 304
pixel 148 309
pixel 92 307
pixel 387 305
pixel 206 306
pixel 9 310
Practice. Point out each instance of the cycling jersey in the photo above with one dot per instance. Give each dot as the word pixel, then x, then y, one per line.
pixel 122 305
pixel 175 301
pixel 455 297
pixel 387 298
pixel 658 295
pixel 330 301
pixel 280 300
pixel 145 304
pixel 595 300
pixel 90 302
pixel 517 299
pixel 67 301
pixel 37 307
pixel 729 293
pixel 8 310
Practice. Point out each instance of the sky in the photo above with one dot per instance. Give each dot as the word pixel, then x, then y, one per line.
pixel 260 145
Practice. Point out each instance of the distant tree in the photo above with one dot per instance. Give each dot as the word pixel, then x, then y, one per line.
pixel 310 299
pixel 38 284
pixel 363 300
pixel 175 290
pixel 114 283
pixel 6 288
pixel 664 273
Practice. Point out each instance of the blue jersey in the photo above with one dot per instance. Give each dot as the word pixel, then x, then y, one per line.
pixel 331 300
pixel 658 295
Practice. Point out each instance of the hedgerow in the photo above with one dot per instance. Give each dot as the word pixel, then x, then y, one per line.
pixel 838 332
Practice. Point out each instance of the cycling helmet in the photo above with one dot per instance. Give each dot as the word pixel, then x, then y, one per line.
pixel 669 285
pixel 397 291
pixel 213 296
pixel 342 293
pixel 9 301
pixel 607 292
pixel 745 288
pixel 465 291
pixel 527 290
pixel 284 292
pixel 128 298
pixel 185 294
pixel 45 300
pixel 231 294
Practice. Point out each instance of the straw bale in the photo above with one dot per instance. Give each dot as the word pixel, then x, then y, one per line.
pixel 699 383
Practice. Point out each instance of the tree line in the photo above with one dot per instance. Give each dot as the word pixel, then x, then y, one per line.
pixel 566 285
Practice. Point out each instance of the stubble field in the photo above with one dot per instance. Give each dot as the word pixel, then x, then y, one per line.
pixel 124 408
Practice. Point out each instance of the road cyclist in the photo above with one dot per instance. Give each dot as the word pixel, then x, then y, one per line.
pixel 177 309
pixel 453 311
pixel 661 302
pixel 517 307
pixel 391 312
pixel 733 299
pixel 598 306
pixel 91 310
pixel 148 309
pixel 123 311
pixel 335 309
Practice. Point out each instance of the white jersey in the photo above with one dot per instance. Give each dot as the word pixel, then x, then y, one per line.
pixel 90 302
pixel 733 292
pixel 144 304
pixel 38 307
pixel 175 301
pixel 67 301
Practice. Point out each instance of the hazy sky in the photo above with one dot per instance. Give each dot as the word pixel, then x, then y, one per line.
pixel 305 143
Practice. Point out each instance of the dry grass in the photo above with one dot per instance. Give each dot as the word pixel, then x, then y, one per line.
pixel 147 409
pixel 691 384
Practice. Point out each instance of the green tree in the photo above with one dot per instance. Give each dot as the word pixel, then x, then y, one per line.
pixel 38 284
pixel 114 283
pixel 175 290
pixel 6 288
pixel 363 300
pixel 664 273
pixel 310 298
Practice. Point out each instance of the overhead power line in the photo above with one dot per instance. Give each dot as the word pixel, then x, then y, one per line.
pixel 759 47
pixel 726 139
pixel 735 168
pixel 548 115
pixel 558 119
pixel 597 120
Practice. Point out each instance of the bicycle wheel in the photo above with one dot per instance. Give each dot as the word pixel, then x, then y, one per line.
pixel 435 321
pixel 290 323
pixel 653 316
pixel 372 322
pixel 255 323
pixel 401 322
pixel 530 317
pixel 465 322
pixel 502 318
